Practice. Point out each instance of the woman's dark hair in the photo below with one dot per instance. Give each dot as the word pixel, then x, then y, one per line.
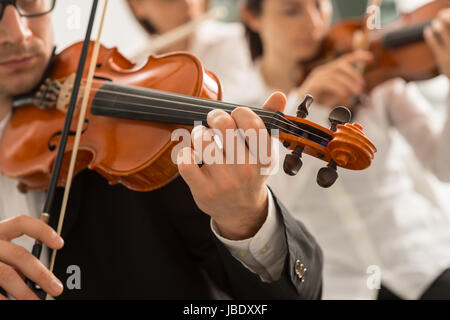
pixel 254 39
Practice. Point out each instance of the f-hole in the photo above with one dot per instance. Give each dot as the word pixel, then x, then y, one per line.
pixel 52 145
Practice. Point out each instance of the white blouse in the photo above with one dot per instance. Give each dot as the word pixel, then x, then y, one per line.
pixel 378 222
pixel 222 49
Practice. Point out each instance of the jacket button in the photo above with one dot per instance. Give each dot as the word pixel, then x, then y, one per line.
pixel 300 270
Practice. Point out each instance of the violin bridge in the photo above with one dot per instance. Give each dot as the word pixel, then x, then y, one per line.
pixel 65 92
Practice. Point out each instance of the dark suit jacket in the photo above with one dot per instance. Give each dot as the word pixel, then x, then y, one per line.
pixel 159 245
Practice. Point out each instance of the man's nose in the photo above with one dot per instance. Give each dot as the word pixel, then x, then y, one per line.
pixel 13 28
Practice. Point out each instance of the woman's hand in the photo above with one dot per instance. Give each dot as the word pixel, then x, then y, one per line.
pixel 334 82
pixel 437 35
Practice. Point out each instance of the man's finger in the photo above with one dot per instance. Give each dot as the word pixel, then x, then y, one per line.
pixel 201 137
pixel 254 130
pixel 32 268
pixel 190 171
pixel 276 102
pixel 35 228
pixel 222 122
pixel 12 283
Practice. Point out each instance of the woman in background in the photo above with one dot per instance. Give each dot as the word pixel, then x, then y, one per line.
pixel 374 227
pixel 220 46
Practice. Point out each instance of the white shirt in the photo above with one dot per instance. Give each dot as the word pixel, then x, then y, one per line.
pixel 262 254
pixel 222 49
pixel 13 203
pixel 375 220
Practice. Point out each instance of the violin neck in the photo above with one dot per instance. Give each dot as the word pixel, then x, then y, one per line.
pixel 136 103
pixel 405 36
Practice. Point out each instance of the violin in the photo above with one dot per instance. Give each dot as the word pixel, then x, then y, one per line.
pixel 132 113
pixel 399 48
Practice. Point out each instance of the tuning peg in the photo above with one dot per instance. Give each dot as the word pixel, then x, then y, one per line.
pixel 293 162
pixel 339 115
pixel 328 175
pixel 302 110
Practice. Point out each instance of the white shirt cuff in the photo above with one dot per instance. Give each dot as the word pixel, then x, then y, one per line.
pixel 265 252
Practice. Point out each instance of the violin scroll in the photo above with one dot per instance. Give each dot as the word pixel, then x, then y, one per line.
pixel 344 144
pixel 350 148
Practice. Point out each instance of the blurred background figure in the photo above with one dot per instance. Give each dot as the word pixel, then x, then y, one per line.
pixel 384 228
pixel 220 46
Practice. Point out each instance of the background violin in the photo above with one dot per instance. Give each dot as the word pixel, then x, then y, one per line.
pixel 399 47
pixel 132 113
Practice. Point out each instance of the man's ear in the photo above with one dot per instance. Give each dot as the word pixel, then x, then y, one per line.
pixel 250 18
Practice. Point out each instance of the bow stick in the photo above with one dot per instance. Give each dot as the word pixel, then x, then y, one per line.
pixel 37 248
pixel 79 130
pixel 361 41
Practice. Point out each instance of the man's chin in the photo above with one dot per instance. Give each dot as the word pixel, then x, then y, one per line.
pixel 20 83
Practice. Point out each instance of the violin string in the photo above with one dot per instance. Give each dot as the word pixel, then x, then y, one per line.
pixel 226 106
pixel 268 118
pixel 196 99
pixel 283 130
pixel 258 111
pixel 268 114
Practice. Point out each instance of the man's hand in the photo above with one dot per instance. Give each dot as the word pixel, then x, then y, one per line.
pixel 336 81
pixel 437 36
pixel 233 194
pixel 16 262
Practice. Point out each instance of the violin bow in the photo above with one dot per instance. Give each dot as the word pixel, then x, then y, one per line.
pixel 81 120
pixel 361 41
pixel 361 38
pixel 37 248
pixel 163 41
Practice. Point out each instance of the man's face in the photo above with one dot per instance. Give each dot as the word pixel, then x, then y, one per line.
pixel 26 45
pixel 166 15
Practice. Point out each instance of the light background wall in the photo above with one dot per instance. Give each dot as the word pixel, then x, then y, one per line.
pixel 70 19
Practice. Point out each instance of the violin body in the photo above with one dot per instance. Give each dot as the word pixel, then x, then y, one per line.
pixel 399 47
pixel 134 153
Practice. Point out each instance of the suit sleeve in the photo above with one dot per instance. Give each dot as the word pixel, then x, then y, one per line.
pixel 228 274
pixel 303 253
